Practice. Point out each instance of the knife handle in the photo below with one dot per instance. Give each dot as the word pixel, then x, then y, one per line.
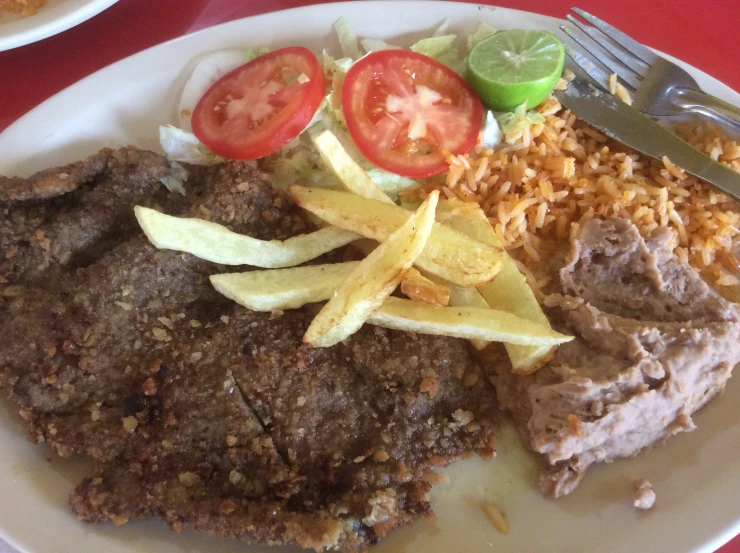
pixel 709 106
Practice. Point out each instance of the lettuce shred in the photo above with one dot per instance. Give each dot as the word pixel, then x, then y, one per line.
pixel 390 183
pixel 183 146
pixel 376 45
pixel 483 31
pixel 254 53
pixel 513 123
pixel 175 181
pixel 347 39
pixel 441 48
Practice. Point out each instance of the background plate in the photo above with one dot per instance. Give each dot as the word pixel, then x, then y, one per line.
pixel 695 475
pixel 55 17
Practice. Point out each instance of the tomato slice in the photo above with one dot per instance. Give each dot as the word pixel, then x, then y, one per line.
pixel 406 112
pixel 258 108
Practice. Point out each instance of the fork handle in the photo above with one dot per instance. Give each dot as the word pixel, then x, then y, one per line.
pixel 710 106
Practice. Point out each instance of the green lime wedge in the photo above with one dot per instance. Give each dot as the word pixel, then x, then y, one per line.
pixel 516 66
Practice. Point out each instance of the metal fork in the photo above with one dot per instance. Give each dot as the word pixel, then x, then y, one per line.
pixel 658 87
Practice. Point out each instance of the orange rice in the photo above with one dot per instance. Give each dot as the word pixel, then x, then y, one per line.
pixel 546 180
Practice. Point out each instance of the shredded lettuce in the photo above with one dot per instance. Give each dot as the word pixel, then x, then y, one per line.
pixel 535 118
pixel 483 31
pixel 290 166
pixel 441 48
pixel 376 45
pixel 184 146
pixel 334 98
pixel 510 123
pixel 335 71
pixel 318 116
pixel 332 65
pixel 514 123
pixel 390 183
pixel 452 59
pixel 176 179
pixel 254 53
pixel 347 39
pixel 491 131
pixel 434 46
pixel 299 163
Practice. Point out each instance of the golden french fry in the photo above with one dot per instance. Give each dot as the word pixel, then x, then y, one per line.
pixel 218 244
pixel 465 297
pixel 464 322
pixel 509 292
pixel 298 286
pixel 469 297
pixel 349 173
pixel 468 218
pixel 374 279
pixel 448 254
pixel 283 288
pixel 419 288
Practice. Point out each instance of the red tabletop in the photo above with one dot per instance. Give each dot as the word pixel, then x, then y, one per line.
pixel 704 33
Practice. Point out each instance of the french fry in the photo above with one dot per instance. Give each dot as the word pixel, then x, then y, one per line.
pixel 470 323
pixel 469 297
pixel 448 254
pixel 512 293
pixel 298 286
pixel 419 288
pixel 509 292
pixel 349 173
pixel 283 288
pixel 373 280
pixel 218 244
pixel 465 297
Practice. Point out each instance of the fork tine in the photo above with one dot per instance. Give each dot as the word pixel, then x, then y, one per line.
pixel 626 42
pixel 597 74
pixel 591 47
pixel 636 65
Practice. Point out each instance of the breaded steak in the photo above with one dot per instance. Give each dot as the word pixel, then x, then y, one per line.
pixel 196 409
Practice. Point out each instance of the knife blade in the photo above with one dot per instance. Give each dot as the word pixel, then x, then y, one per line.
pixel 627 125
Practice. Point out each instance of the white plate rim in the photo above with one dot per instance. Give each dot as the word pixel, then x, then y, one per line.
pixel 49 21
pixel 732 526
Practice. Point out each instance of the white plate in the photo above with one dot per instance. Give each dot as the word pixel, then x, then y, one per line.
pixel 695 475
pixel 55 17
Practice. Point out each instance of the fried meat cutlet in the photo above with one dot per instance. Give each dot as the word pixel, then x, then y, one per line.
pixel 195 409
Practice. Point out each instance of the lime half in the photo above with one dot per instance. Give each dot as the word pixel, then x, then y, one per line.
pixel 516 66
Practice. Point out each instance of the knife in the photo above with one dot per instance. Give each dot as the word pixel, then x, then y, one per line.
pixel 627 125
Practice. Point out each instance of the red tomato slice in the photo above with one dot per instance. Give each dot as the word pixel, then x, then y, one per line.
pixel 259 107
pixel 406 112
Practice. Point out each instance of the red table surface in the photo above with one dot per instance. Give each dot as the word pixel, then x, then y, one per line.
pixel 705 33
